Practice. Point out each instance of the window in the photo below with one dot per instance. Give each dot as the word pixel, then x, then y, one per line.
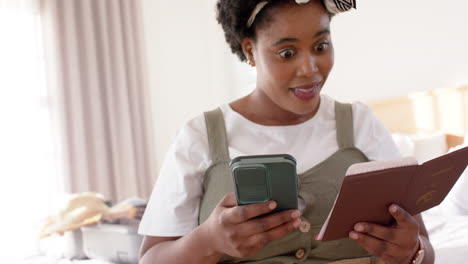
pixel 29 172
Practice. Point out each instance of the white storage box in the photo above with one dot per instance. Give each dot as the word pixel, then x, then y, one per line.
pixel 110 242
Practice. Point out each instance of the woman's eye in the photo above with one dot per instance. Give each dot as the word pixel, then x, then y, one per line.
pixel 286 54
pixel 322 47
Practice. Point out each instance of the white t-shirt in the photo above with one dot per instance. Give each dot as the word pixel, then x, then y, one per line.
pixel 174 204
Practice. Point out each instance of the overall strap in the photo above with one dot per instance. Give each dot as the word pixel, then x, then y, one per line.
pixel 217 139
pixel 344 125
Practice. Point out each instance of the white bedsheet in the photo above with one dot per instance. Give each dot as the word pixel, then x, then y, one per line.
pixel 449 237
pixel 52 260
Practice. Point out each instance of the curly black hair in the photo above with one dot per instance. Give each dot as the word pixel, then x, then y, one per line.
pixel 232 15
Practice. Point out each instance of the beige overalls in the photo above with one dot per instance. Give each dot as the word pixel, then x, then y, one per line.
pixel 318 187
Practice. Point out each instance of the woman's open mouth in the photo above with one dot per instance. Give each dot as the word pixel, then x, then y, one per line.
pixel 306 92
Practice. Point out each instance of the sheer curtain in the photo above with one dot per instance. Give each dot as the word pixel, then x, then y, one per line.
pixel 31 177
pixel 98 78
pixel 74 110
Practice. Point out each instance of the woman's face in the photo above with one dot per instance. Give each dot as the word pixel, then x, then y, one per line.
pixel 293 55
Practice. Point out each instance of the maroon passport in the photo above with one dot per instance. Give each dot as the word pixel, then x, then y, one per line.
pixel 365 195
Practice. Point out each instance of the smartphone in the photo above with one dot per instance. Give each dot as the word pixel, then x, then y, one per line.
pixel 264 178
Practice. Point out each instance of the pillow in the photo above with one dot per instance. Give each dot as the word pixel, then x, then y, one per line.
pixel 421 146
pixel 405 144
pixel 429 146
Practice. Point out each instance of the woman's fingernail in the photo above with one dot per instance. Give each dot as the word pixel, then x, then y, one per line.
pixel 272 205
pixel 295 214
pixel 393 208
pixel 353 235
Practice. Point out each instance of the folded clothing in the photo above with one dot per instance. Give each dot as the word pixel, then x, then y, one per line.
pixel 89 208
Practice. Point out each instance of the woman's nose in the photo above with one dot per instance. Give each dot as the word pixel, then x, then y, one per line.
pixel 308 66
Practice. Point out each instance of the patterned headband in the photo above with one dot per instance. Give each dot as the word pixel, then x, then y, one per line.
pixel 333 6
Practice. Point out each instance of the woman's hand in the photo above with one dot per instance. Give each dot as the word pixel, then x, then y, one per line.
pixel 396 244
pixel 232 231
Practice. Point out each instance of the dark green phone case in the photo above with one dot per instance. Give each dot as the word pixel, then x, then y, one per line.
pixel 265 177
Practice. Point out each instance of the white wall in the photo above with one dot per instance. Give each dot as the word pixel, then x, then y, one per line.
pixel 186 61
pixel 392 48
pixel 384 49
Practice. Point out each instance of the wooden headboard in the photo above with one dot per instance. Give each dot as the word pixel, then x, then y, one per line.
pixel 443 110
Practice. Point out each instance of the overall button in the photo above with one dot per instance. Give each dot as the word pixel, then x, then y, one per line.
pixel 300 253
pixel 305 226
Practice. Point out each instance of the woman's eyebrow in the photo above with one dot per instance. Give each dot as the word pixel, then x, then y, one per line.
pixel 289 39
pixel 282 40
pixel 322 32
